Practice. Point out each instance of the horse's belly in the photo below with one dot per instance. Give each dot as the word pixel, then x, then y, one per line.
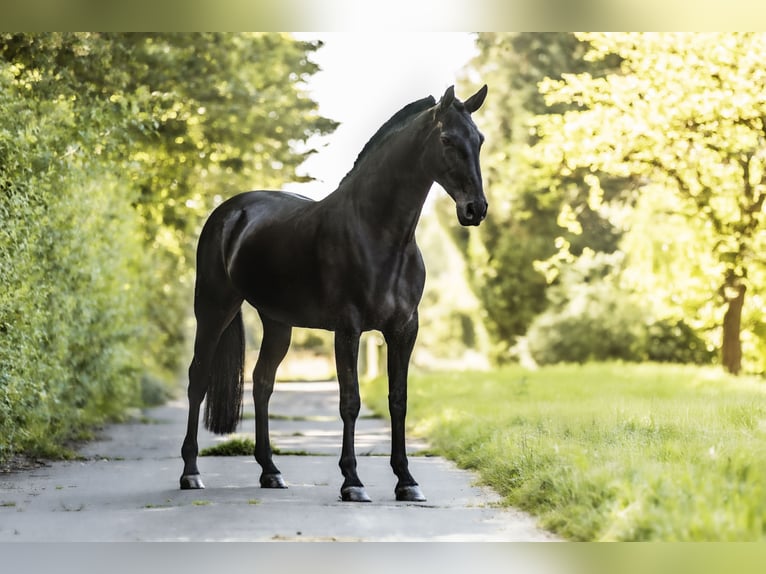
pixel 285 295
pixel 330 305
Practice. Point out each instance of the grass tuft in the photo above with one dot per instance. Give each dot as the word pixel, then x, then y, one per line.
pixel 236 446
pixel 245 446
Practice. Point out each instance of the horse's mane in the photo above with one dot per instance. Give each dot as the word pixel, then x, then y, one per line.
pixel 395 122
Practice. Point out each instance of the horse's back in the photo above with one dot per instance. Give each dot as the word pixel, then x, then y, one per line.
pixel 263 203
pixel 249 209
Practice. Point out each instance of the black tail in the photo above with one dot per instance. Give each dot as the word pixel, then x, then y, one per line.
pixel 223 406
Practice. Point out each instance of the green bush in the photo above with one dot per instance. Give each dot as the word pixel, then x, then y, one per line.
pixel 674 341
pixel 592 318
pixel 597 324
pixel 71 304
pixel 605 324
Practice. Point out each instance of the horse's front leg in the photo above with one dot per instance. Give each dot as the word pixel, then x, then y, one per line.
pixel 401 341
pixel 346 354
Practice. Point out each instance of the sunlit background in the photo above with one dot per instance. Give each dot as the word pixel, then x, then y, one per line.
pixel 364 78
pixel 614 296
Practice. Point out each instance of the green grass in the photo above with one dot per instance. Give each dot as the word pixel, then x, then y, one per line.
pixel 606 451
pixel 236 446
pixel 245 446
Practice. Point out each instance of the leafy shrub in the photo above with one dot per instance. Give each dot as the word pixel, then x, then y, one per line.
pixel 591 318
pixel 597 324
pixel 70 307
pixel 674 341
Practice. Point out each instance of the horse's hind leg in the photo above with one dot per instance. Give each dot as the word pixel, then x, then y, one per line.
pixel 212 320
pixel 276 341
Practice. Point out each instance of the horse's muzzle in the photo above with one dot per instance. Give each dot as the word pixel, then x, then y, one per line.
pixel 472 212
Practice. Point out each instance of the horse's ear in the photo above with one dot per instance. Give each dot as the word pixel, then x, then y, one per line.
pixel 475 101
pixel 446 102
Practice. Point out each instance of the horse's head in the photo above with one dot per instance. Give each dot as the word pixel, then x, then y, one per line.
pixel 456 141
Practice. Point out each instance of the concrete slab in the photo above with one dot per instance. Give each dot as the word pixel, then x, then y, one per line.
pixel 127 488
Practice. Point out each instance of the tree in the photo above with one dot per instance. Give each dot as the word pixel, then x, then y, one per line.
pixel 686 113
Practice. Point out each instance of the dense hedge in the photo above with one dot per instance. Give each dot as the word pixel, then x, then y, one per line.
pixel 70 299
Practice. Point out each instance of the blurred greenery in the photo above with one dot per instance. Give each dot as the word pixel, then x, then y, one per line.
pixel 113 147
pixel 592 317
pixel 647 149
pixel 684 118
pixel 524 220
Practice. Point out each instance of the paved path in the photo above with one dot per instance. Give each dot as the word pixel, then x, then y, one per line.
pixel 126 488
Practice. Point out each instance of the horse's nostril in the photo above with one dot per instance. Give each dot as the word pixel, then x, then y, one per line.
pixel 469 211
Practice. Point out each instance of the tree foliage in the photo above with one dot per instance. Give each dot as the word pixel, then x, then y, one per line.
pixel 685 113
pixel 647 145
pixel 112 149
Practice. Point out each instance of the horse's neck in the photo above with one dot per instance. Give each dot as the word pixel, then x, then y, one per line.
pixel 389 190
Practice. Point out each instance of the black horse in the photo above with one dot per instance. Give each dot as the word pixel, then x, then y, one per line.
pixel 347 263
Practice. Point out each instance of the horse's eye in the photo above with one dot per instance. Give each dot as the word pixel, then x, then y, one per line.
pixel 447 141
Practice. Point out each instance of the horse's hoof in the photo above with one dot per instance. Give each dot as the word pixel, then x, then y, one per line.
pixel 411 493
pixel 191 482
pixel 273 480
pixel 354 494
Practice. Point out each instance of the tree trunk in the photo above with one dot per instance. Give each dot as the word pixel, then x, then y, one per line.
pixel 731 349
